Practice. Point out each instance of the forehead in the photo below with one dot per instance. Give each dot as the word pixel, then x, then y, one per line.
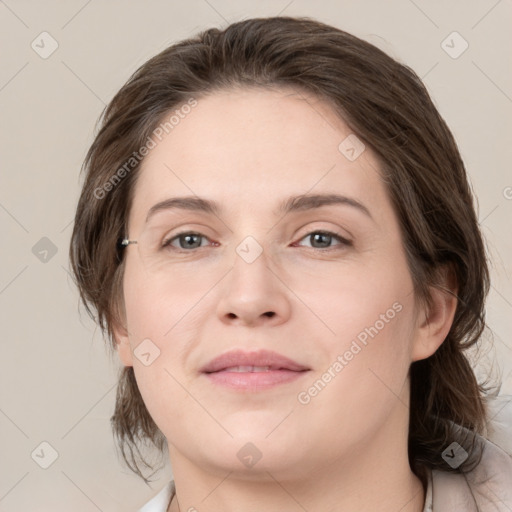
pixel 250 149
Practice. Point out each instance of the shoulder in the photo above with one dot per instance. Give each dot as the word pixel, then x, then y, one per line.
pixel 160 502
pixel 487 488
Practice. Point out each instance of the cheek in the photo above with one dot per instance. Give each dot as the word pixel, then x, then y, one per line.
pixel 159 318
pixel 364 380
pixel 370 314
pixel 157 340
pixel 155 309
pixel 353 299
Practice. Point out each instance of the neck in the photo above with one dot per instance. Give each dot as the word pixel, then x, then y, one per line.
pixel 375 475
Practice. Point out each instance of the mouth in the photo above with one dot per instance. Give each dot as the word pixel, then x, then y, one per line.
pixel 252 371
pixel 256 361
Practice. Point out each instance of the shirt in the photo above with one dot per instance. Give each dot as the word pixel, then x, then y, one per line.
pixel 487 488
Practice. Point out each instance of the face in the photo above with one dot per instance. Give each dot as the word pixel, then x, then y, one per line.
pixel 325 284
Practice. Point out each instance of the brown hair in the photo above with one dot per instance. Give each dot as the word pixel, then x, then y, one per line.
pixel 386 105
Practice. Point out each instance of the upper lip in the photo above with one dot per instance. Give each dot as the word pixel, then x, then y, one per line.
pixel 259 358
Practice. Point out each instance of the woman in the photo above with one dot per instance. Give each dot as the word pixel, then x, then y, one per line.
pixel 297 275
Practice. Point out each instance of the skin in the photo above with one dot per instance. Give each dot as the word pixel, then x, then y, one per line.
pixel 347 448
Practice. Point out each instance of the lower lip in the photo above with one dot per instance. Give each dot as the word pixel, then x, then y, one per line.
pixel 254 381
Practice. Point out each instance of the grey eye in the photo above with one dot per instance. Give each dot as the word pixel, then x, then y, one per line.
pixel 185 241
pixel 324 239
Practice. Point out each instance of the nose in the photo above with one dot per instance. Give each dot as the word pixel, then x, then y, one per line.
pixel 254 294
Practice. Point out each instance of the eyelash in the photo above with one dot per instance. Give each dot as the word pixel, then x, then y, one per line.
pixel 344 241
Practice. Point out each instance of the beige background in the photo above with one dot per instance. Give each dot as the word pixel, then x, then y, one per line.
pixel 57 383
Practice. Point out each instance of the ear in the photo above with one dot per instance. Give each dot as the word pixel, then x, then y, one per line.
pixel 123 346
pixel 434 323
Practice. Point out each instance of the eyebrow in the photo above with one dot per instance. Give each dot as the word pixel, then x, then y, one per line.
pixel 294 203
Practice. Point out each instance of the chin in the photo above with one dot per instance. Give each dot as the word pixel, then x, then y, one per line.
pixel 256 451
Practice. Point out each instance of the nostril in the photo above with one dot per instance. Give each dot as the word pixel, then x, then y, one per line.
pixel 270 314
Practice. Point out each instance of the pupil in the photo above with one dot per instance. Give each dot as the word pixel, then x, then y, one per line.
pixel 320 236
pixel 190 240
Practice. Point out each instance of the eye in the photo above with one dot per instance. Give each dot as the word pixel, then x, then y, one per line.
pixel 192 240
pixel 186 240
pixel 323 239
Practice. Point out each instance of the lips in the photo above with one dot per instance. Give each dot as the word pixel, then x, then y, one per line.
pixel 260 361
